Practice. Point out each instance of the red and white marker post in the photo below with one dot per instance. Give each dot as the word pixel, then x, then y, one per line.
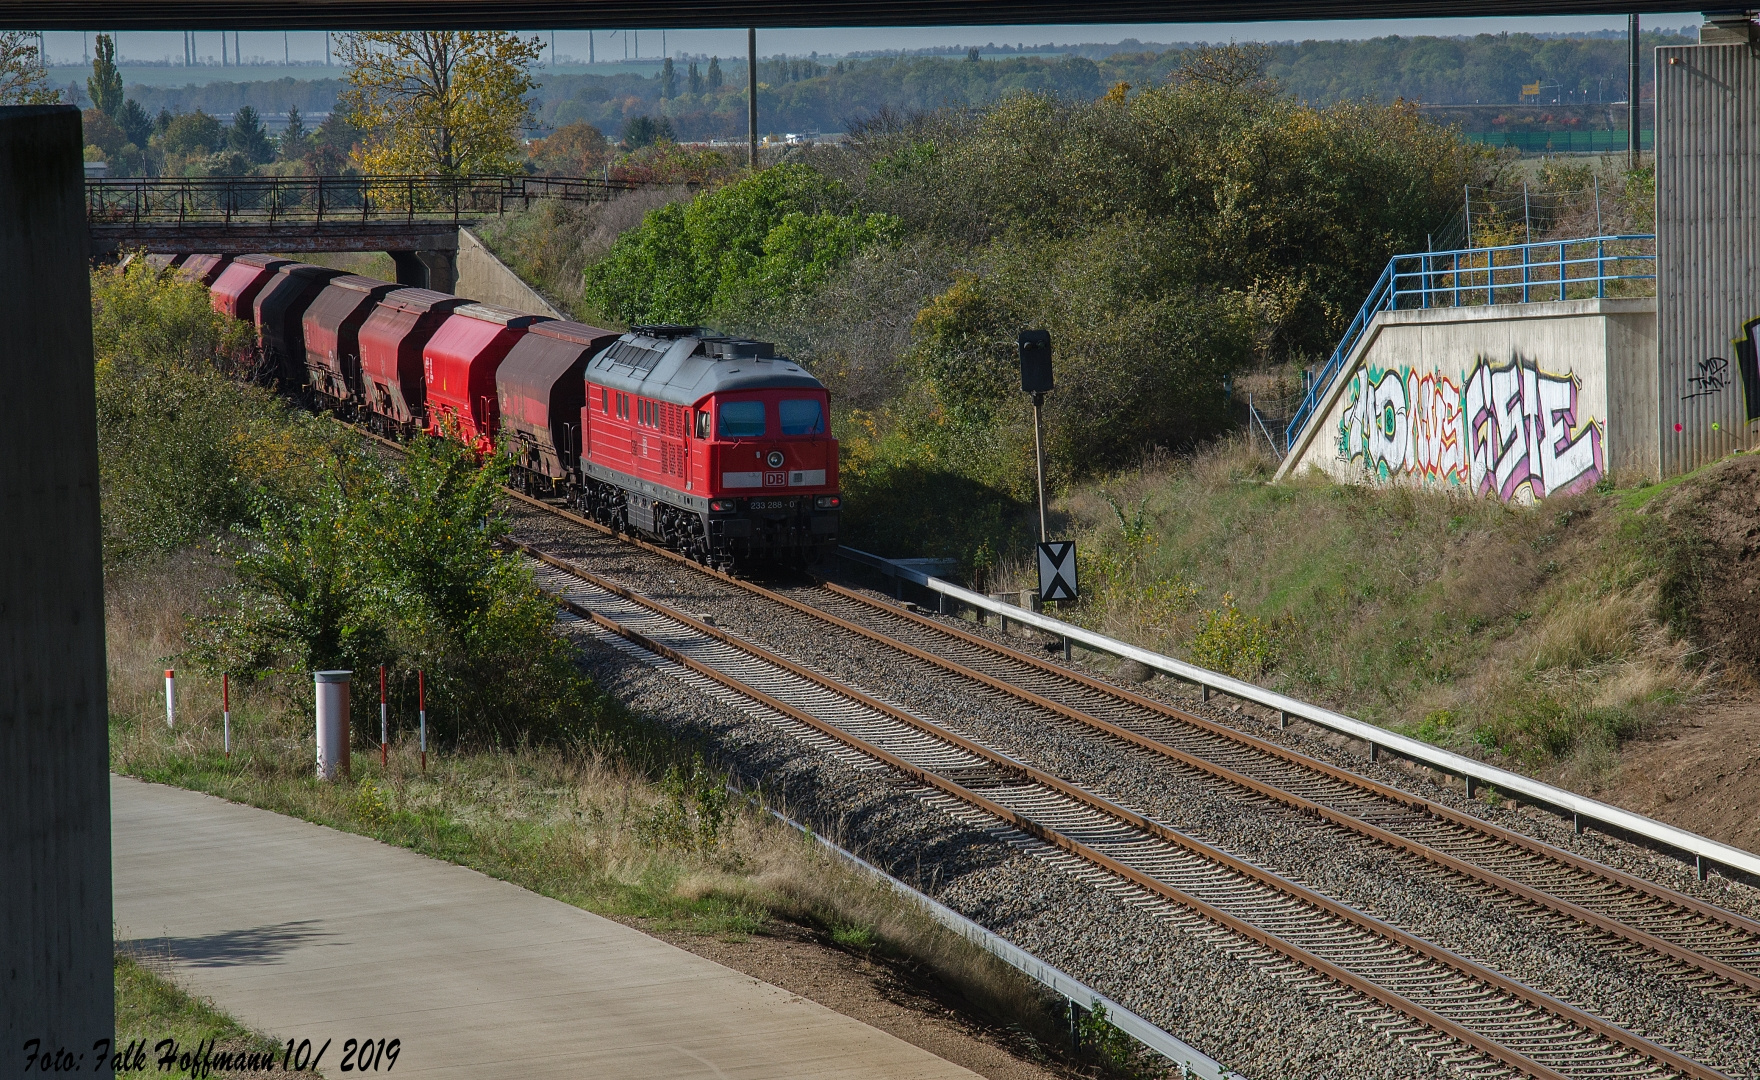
pixel 226 711
pixel 170 698
pixel 384 729
pixel 422 711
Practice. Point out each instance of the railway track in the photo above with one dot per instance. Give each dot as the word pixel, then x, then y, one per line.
pixel 1690 939
pixel 1444 1003
pixel 1430 992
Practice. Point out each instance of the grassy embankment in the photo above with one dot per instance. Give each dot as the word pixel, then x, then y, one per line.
pixel 151 1008
pixel 1537 636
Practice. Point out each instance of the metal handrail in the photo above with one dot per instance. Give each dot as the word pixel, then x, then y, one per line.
pixel 407 198
pixel 1547 270
pixel 1705 852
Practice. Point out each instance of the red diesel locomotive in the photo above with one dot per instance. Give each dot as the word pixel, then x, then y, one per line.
pixel 715 445
pixel 712 445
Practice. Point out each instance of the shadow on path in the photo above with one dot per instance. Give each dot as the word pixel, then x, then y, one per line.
pixel 231 948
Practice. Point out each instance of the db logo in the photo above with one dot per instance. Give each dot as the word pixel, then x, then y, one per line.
pixel 775 479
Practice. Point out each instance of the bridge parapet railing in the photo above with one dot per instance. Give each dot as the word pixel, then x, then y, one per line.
pixel 1548 270
pixel 272 200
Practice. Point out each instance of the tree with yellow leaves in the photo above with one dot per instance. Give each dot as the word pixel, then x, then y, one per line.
pixel 438 101
pixel 22 80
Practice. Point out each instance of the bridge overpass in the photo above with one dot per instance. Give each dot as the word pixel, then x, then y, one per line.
pixel 414 218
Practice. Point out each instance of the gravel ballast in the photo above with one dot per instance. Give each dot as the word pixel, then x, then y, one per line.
pixel 973 871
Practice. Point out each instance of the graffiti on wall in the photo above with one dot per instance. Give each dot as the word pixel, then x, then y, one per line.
pixel 1512 430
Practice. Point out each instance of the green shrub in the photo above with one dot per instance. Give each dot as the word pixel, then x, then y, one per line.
pixel 401 566
pixel 1234 643
pixel 752 243
pixel 182 450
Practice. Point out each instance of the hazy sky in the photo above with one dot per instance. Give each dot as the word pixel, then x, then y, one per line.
pixel 70 47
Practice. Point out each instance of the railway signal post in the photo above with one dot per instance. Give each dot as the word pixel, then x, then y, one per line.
pixel 1057 562
pixel 1035 349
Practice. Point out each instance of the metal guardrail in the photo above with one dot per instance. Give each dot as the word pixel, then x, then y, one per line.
pixel 1509 274
pixel 327 200
pixel 1193 1064
pixel 1704 851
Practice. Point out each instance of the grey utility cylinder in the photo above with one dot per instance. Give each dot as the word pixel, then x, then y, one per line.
pixel 332 688
pixel 55 949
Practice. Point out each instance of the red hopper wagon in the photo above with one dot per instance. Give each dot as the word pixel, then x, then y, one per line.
pixel 392 340
pixel 333 337
pixel 542 390
pixel 460 362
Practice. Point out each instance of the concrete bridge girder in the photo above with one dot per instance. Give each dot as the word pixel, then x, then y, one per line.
pixel 425 254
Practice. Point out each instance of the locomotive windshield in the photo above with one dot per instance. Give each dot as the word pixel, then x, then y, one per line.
pixel 742 419
pixel 802 416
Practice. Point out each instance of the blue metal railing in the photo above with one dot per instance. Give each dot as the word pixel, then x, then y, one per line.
pixel 1470 277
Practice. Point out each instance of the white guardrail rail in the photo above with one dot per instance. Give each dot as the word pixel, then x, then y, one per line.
pixel 1192 1064
pixel 1704 852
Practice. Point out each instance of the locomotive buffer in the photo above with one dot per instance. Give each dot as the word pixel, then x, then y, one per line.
pixel 1057 560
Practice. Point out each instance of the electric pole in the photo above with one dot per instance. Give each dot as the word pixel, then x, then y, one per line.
pixel 1634 95
pixel 752 96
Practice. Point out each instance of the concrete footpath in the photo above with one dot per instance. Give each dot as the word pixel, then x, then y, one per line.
pixel 304 932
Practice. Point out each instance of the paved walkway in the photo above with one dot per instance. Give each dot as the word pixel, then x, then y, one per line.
pixel 304 932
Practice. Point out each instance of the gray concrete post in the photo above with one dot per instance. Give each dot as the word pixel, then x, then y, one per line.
pixel 55 951
pixel 333 733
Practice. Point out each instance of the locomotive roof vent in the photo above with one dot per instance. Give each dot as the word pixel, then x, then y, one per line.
pixel 720 348
pixel 667 330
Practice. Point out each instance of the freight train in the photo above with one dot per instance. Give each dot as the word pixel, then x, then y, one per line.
pixel 709 444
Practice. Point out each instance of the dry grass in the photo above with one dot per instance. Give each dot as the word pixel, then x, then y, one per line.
pixel 1529 633
pixel 576 823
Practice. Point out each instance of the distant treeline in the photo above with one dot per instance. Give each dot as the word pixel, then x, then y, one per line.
pixel 810 94
pixel 309 96
pixel 815 95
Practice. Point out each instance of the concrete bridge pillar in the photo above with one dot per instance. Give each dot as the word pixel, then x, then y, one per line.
pixel 55 950
pixel 436 269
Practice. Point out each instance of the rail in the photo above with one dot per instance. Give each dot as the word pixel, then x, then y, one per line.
pixel 1549 270
pixel 1194 1064
pixel 327 200
pixel 1705 852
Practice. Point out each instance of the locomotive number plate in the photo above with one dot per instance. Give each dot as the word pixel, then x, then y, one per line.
pixel 772 504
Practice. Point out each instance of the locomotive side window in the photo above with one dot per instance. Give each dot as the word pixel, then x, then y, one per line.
pixel 742 420
pixel 605 400
pixel 802 416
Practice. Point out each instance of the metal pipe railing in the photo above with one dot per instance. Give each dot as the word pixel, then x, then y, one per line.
pixel 1703 851
pixel 227 200
pixel 1486 276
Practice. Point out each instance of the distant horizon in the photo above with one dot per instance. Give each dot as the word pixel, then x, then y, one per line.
pixel 305 49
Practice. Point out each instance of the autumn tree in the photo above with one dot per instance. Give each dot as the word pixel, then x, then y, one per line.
pixel 22 81
pixel 438 101
pixel 105 83
pixel 577 149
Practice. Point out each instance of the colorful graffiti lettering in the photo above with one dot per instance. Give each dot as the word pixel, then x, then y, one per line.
pixel 1512 429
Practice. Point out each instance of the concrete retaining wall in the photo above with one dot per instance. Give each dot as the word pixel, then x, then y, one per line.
pixel 482 276
pixel 1515 400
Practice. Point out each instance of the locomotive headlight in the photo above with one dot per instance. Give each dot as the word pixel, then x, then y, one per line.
pixel 828 502
pixel 721 505
pixel 775 459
